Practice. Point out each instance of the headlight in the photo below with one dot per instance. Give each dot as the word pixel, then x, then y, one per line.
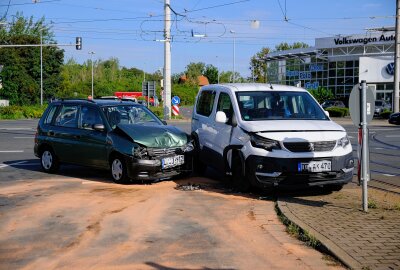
pixel 267 144
pixel 343 142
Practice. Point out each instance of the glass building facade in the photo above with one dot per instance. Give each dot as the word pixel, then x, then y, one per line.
pixel 337 64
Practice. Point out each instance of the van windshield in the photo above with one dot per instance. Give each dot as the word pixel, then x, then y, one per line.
pixel 278 105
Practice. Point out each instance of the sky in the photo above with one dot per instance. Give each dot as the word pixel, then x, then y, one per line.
pixel 132 30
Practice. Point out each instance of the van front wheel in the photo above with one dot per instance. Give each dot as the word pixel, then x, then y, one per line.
pixel 239 180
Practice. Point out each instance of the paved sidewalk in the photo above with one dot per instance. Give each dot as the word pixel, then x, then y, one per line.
pixel 360 240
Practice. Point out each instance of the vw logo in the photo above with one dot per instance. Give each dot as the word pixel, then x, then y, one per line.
pixel 390 68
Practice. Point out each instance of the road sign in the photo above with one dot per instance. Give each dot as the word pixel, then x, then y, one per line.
pixel 149 88
pixel 175 100
pixel 354 104
pixel 175 110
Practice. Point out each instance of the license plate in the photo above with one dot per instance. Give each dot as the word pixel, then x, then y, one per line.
pixel 315 166
pixel 170 162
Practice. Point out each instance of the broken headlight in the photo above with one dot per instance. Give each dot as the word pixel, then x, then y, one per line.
pixel 261 142
pixel 343 142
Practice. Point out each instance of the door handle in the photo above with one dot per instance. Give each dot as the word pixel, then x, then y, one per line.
pixel 51 133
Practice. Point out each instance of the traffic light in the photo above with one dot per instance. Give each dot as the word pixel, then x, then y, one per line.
pixel 78 43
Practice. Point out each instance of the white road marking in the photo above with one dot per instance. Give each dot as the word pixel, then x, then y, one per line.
pixel 378 148
pixel 12 151
pixel 351 137
pixel 390 175
pixel 19 163
pixel 30 137
pixel 392 136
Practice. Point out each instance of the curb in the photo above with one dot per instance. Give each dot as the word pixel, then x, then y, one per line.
pixel 334 249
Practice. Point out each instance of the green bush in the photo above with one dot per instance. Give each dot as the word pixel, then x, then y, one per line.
pixel 385 114
pixel 337 112
pixel 20 112
pixel 159 111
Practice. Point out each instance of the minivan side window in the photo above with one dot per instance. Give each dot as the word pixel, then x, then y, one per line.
pixel 89 117
pixel 67 116
pixel 205 103
pixel 49 117
pixel 225 105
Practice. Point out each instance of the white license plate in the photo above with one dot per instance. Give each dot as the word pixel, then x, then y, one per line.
pixel 316 166
pixel 170 162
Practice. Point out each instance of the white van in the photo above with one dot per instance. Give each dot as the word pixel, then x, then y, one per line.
pixel 269 135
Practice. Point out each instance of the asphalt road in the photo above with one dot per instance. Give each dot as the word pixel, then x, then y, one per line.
pixel 18 161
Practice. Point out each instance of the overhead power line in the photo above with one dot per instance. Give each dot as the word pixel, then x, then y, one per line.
pixel 31 3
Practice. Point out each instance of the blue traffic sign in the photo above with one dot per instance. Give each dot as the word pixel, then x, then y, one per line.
pixel 175 100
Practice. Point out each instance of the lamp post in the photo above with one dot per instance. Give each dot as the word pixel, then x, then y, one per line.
pixel 234 45
pixel 41 66
pixel 217 69
pixel 91 60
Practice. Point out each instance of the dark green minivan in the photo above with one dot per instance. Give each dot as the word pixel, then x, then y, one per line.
pixel 121 136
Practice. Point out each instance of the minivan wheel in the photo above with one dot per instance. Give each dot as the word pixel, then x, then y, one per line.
pixel 239 180
pixel 118 170
pixel 49 161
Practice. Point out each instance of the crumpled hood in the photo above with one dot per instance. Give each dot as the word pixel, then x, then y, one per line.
pixel 291 125
pixel 154 136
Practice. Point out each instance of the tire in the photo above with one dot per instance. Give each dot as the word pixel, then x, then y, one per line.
pixel 198 166
pixel 118 170
pixel 239 180
pixel 49 161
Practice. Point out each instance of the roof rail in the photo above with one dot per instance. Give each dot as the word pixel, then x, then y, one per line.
pixel 77 99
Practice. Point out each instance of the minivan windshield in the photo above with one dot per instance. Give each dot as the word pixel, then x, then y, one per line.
pixel 130 114
pixel 278 105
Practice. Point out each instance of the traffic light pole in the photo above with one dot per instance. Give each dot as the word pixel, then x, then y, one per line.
pixel 41 67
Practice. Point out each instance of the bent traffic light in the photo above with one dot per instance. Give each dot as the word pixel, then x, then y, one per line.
pixel 78 43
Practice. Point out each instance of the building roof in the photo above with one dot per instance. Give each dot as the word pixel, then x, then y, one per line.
pixel 203 80
pixel 294 53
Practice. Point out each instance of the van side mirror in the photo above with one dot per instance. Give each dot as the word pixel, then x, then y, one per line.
pixel 98 127
pixel 221 117
pixel 164 122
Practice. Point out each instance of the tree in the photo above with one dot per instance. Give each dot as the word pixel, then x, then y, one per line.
pixel 283 46
pixel 193 71
pixel 226 77
pixel 21 65
pixel 211 72
pixel 321 94
pixel 258 66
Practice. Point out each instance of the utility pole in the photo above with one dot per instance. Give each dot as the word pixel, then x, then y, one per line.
pixel 91 60
pixel 396 61
pixel 167 60
pixel 234 45
pixel 41 66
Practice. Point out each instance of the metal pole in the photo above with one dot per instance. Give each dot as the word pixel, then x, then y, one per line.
pixel 396 61
pixel 217 69
pixel 167 61
pixel 92 75
pixel 91 60
pixel 41 67
pixel 234 45
pixel 364 148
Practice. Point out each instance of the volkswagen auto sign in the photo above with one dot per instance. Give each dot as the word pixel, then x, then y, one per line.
pixel 390 68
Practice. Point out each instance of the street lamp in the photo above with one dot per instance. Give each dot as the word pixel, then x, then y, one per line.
pixel 234 45
pixel 41 66
pixel 91 60
pixel 217 68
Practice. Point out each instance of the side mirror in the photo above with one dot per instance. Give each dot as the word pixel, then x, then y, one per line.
pixel 326 113
pixel 221 117
pixel 164 122
pixel 98 127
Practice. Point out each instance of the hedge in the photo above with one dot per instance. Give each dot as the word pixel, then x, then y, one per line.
pixel 19 112
pixel 337 111
pixel 385 114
